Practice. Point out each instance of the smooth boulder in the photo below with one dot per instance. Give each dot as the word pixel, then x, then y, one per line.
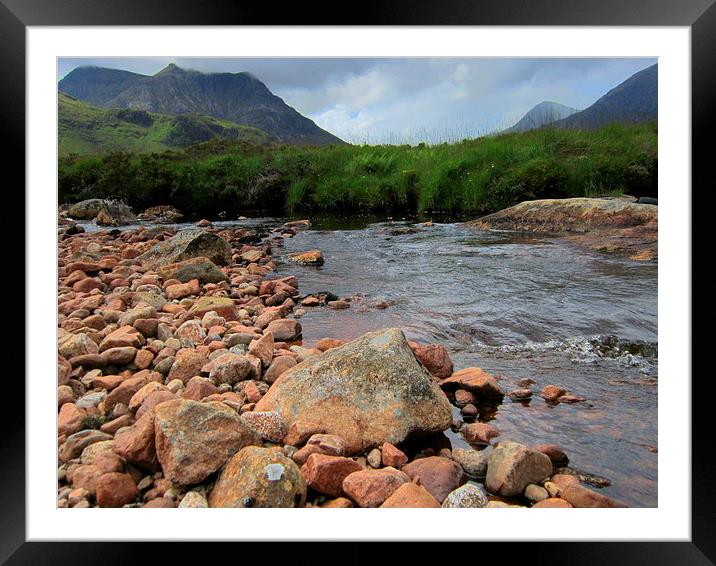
pixel 369 391
pixel 187 245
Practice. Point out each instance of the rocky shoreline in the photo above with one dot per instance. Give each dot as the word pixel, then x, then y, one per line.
pixel 182 382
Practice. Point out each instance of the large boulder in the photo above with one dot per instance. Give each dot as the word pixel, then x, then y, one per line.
pixel 201 268
pixel 511 467
pixel 187 245
pixel 104 212
pixel 259 477
pixel 369 391
pixel 193 440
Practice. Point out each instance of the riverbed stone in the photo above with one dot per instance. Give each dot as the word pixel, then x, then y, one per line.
pixel 370 488
pixel 474 379
pixel 435 358
pixel 325 474
pixel 193 440
pixel 369 391
pixel 284 329
pixel 185 245
pixel 468 495
pixel 411 495
pixel 438 475
pixel 200 268
pixel 512 466
pixel 473 462
pixel 259 477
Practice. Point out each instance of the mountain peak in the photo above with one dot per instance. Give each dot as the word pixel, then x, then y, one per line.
pixel 542 114
pixel 240 98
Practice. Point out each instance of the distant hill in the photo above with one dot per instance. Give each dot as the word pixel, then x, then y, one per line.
pixel 240 98
pixel 86 129
pixel 635 100
pixel 541 115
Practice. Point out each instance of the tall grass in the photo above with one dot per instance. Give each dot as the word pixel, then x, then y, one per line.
pixel 472 176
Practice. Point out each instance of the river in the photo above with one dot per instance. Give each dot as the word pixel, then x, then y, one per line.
pixel 518 306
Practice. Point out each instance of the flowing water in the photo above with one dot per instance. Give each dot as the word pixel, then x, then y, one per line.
pixel 518 306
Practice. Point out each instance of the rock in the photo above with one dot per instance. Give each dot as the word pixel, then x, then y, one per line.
pixel 552 393
pixel 370 488
pixel 468 495
pixel 581 497
pixel 435 358
pixel 301 431
pixel 186 245
pixel 136 443
pixel 104 212
pixel 520 394
pixel 614 225
pixel 552 502
pixel 200 268
pixel 328 444
pixel 473 462
pixel 77 442
pixel 228 368
pixel 438 475
pixel 199 387
pixel 278 367
pixel 124 392
pixel 193 440
pixel 223 306
pixel 187 364
pixel 78 345
pixel 479 434
pixel 410 495
pixel 262 348
pixel 325 474
pixel 181 290
pixel 285 329
pixel 476 380
pixel 160 503
pixel 392 456
pixel 374 458
pixel 338 305
pixel 125 336
pixel 259 477
pixel 555 453
pixel 193 500
pixel 512 466
pixel 115 490
pixel 535 493
pixel 69 419
pixel 161 214
pixel 369 391
pixel 311 257
pixel 268 425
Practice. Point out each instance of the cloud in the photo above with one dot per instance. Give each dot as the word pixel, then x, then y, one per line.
pixel 412 99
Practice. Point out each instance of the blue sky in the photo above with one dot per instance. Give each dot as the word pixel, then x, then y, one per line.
pixel 410 99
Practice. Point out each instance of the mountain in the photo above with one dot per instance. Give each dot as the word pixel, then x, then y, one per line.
pixel 86 129
pixel 544 113
pixel 634 100
pixel 240 98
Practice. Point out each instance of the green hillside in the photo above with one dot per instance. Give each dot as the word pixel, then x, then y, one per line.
pixel 85 129
pixel 476 176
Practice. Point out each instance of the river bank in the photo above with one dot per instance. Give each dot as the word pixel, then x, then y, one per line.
pixel 108 401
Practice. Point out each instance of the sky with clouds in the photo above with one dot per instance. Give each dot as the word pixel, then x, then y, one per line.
pixel 409 100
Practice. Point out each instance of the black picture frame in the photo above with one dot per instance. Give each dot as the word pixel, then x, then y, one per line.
pixel 699 15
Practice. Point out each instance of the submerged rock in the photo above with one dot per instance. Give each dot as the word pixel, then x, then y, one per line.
pixel 369 391
pixel 311 257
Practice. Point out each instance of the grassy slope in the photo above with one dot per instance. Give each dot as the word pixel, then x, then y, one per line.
pixel 85 129
pixel 475 176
